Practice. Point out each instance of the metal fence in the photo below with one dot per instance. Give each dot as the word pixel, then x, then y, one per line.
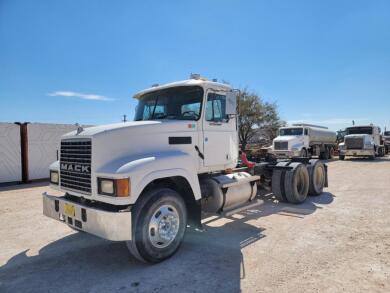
pixel 27 150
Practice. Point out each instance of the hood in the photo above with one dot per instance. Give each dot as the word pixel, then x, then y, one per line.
pixel 288 138
pixel 143 126
pixel 367 138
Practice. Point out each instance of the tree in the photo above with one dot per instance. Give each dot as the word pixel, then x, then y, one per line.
pixel 256 114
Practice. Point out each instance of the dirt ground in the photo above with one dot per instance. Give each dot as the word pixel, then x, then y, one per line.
pixel 336 242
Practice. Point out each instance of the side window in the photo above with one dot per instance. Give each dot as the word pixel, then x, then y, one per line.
pixel 215 107
pixel 306 131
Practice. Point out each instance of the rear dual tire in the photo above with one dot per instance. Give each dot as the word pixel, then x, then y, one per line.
pixel 290 185
pixel 317 175
pixel 296 183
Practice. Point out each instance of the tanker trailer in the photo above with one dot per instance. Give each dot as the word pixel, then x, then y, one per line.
pixel 304 140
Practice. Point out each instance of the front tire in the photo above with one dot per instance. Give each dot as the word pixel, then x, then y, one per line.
pixel 159 221
pixel 331 153
pixel 341 157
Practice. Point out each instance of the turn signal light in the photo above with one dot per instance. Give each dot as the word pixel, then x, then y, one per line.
pixel 122 187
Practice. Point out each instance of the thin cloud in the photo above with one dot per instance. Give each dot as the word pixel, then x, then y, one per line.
pixel 69 94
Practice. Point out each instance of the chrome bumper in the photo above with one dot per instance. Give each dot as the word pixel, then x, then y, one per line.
pixel 115 226
pixel 286 154
pixel 357 153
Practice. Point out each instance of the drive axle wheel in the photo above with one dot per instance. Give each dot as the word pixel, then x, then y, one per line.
pixel 159 223
pixel 296 183
pixel 317 177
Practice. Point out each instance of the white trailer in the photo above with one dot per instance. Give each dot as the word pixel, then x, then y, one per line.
pixel 304 140
pixel 145 181
pixel 362 141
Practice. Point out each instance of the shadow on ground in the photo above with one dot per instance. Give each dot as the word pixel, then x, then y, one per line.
pixel 209 261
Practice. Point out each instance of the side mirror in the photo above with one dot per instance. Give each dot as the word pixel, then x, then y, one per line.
pixel 231 103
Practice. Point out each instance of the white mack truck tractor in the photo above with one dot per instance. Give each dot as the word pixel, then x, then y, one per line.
pixel 304 140
pixel 144 182
pixel 362 141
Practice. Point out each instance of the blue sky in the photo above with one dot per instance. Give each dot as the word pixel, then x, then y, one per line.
pixel 325 62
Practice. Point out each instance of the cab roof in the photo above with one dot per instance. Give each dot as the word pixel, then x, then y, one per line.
pixel 189 82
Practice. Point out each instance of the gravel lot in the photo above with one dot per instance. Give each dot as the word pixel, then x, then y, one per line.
pixel 339 241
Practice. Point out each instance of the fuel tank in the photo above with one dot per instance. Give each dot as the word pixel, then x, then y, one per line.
pixel 226 192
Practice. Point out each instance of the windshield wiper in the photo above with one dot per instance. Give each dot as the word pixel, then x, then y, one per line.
pixel 154 108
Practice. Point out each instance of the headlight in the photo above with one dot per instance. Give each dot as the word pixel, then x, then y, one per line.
pixel 54 178
pixel 114 187
pixel 106 186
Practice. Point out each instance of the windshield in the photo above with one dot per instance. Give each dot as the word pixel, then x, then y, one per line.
pixel 179 103
pixel 359 130
pixel 291 131
pixel 387 133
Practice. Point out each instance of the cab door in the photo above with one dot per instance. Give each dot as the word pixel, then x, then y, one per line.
pixel 220 141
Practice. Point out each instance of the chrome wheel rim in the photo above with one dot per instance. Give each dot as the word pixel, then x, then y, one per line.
pixel 163 226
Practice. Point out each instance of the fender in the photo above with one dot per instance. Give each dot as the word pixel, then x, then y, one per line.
pixel 144 168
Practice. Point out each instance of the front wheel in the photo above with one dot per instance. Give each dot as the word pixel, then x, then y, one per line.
pixel 303 153
pixel 341 157
pixel 159 223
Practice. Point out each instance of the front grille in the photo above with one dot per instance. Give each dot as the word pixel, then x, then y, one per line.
pixel 75 165
pixel 354 143
pixel 280 145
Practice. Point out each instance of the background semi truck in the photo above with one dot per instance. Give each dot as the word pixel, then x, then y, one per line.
pixel 386 140
pixel 145 181
pixel 304 140
pixel 362 141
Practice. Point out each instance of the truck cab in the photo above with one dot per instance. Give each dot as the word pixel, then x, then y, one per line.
pixel 291 142
pixel 145 181
pixel 304 140
pixel 362 141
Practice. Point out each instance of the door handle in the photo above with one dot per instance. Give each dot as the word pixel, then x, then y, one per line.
pixel 215 123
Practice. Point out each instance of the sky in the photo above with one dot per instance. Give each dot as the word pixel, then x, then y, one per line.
pixel 322 62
